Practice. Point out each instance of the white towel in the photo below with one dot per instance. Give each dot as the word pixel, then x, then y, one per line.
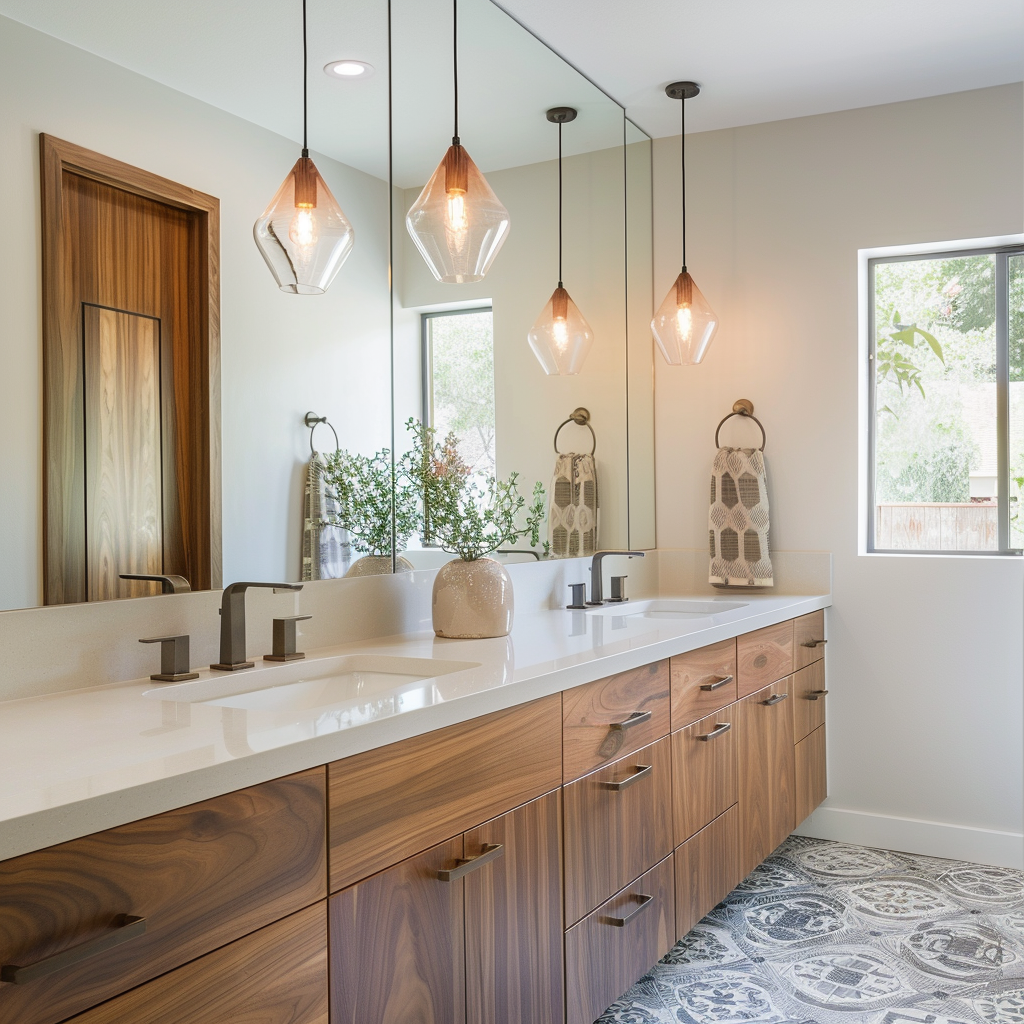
pixel 738 520
pixel 573 509
pixel 326 550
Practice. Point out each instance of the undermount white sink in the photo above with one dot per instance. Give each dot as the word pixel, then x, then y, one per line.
pixel 671 608
pixel 301 685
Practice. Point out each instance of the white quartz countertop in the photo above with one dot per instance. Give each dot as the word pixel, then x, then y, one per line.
pixel 81 761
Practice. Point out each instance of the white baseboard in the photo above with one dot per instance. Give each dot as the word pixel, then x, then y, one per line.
pixel 933 838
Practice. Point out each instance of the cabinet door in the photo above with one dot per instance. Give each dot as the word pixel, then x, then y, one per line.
pixel 703 682
pixel 763 656
pixel 811 783
pixel 808 699
pixel 703 772
pixel 514 918
pixel 707 869
pixel 397 945
pixel 764 725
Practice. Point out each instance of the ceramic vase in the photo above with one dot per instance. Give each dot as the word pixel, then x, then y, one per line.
pixel 377 565
pixel 472 600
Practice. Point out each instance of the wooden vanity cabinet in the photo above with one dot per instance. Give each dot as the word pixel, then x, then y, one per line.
pixel 703 682
pixel 707 869
pixel 811 779
pixel 763 656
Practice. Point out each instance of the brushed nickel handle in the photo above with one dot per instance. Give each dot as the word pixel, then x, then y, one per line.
pixel 126 927
pixel 812 643
pixel 721 681
pixel 642 902
pixel 634 719
pixel 642 770
pixel 815 694
pixel 491 851
pixel 719 730
pixel 775 698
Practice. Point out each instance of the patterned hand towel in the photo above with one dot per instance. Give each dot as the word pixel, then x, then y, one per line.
pixel 326 550
pixel 738 520
pixel 572 512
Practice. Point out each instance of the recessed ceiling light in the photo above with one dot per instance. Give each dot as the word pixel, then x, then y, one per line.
pixel 348 69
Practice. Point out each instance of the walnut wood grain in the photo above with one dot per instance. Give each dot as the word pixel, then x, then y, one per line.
pixel 704 781
pixel 590 713
pixel 707 666
pixel 764 740
pixel 201 876
pixel 763 656
pixel 807 629
pixel 613 836
pixel 707 869
pixel 277 975
pixel 808 699
pixel 603 961
pixel 811 777
pixel 388 804
pixel 514 918
pixel 397 945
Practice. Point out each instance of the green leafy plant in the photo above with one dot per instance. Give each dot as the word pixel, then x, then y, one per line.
pixel 467 518
pixel 363 487
pixel 894 350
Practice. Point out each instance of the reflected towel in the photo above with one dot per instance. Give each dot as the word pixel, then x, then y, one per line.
pixel 326 550
pixel 738 520
pixel 572 512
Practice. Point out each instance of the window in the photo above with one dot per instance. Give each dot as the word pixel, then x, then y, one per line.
pixel 946 353
pixel 458 381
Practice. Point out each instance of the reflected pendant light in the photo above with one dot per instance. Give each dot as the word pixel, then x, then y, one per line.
pixel 684 323
pixel 457 223
pixel 303 234
pixel 561 338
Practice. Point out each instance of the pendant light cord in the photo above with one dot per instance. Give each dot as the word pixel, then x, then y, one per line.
pixel 559 204
pixel 682 167
pixel 455 65
pixel 305 82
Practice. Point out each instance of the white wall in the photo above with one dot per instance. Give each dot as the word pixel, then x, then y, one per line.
pixel 281 355
pixel 926 660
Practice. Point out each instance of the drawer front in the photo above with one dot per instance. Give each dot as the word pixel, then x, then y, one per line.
pixel 704 781
pixel 201 877
pixel 764 656
pixel 808 639
pixel 808 700
pixel 605 719
pixel 390 803
pixel 703 682
pixel 811 781
pixel 604 957
pixel 707 869
pixel 277 975
pixel 612 835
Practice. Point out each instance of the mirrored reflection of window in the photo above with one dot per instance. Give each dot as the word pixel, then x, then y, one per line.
pixel 458 381
pixel 947 365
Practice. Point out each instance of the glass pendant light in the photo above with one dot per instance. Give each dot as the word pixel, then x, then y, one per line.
pixel 303 234
pixel 457 223
pixel 561 338
pixel 684 323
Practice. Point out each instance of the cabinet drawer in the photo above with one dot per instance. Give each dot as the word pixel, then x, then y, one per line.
pixel 808 700
pixel 613 835
pixel 277 975
pixel 617 944
pixel 390 803
pixel 704 772
pixel 764 656
pixel 809 639
pixel 703 682
pixel 201 877
pixel 707 869
pixel 610 717
pixel 811 780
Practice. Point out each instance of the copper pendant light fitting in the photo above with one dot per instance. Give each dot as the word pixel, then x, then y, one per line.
pixel 562 115
pixel 682 90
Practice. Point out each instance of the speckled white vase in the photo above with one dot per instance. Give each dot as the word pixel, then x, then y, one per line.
pixel 377 565
pixel 472 600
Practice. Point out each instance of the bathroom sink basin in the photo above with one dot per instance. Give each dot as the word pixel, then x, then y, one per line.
pixel 671 608
pixel 301 685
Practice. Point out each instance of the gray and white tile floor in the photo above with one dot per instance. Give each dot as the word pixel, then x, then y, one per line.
pixel 826 933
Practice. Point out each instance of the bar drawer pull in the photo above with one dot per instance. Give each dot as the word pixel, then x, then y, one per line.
pixel 491 851
pixel 719 730
pixel 642 902
pixel 642 770
pixel 126 927
pixel 815 694
pixel 721 681
pixel 812 643
pixel 775 698
pixel 637 718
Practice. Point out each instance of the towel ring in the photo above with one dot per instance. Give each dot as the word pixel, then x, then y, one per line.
pixel 743 407
pixel 313 421
pixel 581 417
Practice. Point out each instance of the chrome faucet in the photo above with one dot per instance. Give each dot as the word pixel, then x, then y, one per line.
pixel 232 624
pixel 596 579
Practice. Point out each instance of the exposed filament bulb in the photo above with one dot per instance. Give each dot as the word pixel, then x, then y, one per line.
pixel 302 230
pixel 457 210
pixel 684 320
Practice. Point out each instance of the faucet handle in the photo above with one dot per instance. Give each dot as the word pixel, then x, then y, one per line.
pixel 618 589
pixel 168 584
pixel 579 595
pixel 174 662
pixel 284 639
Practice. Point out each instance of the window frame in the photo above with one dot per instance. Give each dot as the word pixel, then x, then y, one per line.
pixel 426 355
pixel 1002 249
